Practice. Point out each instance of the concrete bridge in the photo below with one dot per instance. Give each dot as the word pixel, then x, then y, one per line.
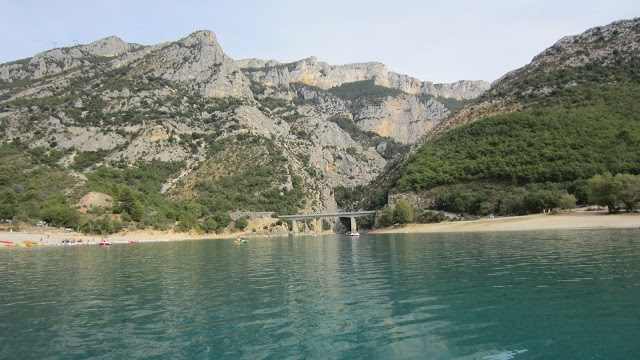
pixel 352 215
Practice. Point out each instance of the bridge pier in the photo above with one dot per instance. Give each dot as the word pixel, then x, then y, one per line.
pixel 317 219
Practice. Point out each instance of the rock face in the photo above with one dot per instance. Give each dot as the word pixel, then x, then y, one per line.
pixel 622 38
pixel 109 47
pixel 320 74
pixel 602 45
pixel 256 63
pixel 463 89
pixel 517 90
pixel 60 59
pixel 198 60
pixel 187 101
pixel 575 66
pixel 402 118
pixel 310 72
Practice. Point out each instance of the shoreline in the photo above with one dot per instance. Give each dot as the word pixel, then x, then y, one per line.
pixel 575 220
pixel 54 237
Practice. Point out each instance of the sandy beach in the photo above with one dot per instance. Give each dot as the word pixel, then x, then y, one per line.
pixel 560 221
pixel 54 236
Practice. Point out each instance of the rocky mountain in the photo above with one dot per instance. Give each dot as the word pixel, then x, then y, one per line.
pixel 320 74
pixel 224 135
pixel 536 135
pixel 57 60
pixel 558 67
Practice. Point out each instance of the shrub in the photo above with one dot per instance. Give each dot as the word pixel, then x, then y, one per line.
pixel 432 217
pixel 60 214
pixel 404 212
pixel 209 225
pixel 387 217
pixel 241 223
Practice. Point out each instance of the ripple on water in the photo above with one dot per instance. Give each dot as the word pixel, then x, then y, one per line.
pixel 476 296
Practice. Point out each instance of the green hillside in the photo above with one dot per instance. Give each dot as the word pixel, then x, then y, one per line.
pixel 588 123
pixel 553 144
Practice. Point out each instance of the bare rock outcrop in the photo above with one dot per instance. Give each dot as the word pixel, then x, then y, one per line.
pixel 403 118
pixel 199 61
pixel 57 60
pixel 188 103
pixel 109 47
pixel 320 74
pixel 256 63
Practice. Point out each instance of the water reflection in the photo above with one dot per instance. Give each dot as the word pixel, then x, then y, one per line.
pixel 495 296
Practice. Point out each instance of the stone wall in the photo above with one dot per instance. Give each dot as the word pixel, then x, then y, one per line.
pixel 249 215
pixel 416 201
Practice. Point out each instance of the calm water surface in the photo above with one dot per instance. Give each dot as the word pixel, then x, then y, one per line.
pixel 527 295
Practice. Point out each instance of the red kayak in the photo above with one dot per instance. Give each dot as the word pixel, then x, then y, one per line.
pixel 6 241
pixel 105 243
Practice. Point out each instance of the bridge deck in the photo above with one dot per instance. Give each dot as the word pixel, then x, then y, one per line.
pixel 330 215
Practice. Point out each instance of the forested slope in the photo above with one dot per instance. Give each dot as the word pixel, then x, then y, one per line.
pixel 540 132
pixel 555 144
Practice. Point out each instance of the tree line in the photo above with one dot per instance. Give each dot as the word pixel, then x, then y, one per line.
pixel 618 193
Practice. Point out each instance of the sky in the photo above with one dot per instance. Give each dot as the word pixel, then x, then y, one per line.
pixel 438 41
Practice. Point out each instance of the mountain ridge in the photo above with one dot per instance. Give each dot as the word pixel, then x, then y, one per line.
pixel 623 37
pixel 312 72
pixel 113 46
pixel 180 125
pixel 180 134
pixel 509 142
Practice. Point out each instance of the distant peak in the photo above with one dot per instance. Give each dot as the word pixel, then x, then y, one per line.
pixel 204 33
pixel 256 63
pixel 201 36
pixel 109 46
pixel 111 40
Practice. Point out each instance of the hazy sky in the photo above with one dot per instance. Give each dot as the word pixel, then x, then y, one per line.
pixel 439 41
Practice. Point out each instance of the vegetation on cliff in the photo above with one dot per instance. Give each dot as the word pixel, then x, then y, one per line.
pixel 575 122
pixel 554 144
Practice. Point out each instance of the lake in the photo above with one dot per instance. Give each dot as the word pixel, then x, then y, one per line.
pixel 516 295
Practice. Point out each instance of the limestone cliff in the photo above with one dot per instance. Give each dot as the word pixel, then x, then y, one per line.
pixel 60 59
pixel 402 118
pixel 592 72
pixel 549 71
pixel 320 74
pixel 198 60
pixel 187 102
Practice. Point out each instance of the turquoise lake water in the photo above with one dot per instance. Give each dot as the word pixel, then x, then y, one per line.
pixel 519 295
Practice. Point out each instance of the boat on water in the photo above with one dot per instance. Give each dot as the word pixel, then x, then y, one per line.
pixel 134 241
pixel 353 234
pixel 240 240
pixel 105 242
